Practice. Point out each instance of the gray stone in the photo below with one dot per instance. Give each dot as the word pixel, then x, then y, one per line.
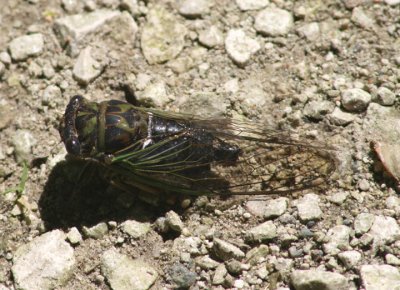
pixel 338 238
pixel 96 231
pixel 392 202
pixel 23 142
pixel 392 260
pixel 245 5
pixel 135 229
pixel 86 68
pixel 310 31
pixel 51 95
pixel 47 262
pixel 25 46
pixel 385 229
pixel 380 277
pixel 317 279
pixel 240 47
pixel 5 58
pixel 48 71
pixel 359 17
pixel 338 197
pixel 211 37
pixel 124 273
pixel 206 263
pixel 273 21
pixel 257 255
pixel 234 267
pixel 155 94
pixel 355 100
pixel 226 251
pixel 6 115
pixel 74 28
pixel 182 276
pixel 173 221
pixel 350 259
pixel 308 207
pixel 194 8
pixel 263 232
pixel 340 118
pixel 256 207
pixel 74 236
pixel 316 110
pixel 386 97
pixel 363 222
pixel 163 37
pixel 276 207
pixel 205 104
pixel 34 69
pixel 219 275
pixel 363 185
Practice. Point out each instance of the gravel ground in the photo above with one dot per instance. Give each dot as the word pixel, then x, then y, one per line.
pixel 326 70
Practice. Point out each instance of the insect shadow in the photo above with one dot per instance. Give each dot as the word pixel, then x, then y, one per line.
pixel 76 195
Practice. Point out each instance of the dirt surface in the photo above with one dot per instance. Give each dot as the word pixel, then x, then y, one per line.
pixel 293 82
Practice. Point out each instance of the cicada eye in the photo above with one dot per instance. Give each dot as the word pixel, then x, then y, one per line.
pixel 73 146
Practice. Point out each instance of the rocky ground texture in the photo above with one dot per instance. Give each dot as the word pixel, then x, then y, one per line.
pixel 327 70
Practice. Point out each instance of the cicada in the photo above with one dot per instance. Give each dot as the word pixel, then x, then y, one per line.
pixel 157 151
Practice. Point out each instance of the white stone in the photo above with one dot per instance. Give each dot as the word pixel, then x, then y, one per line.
pixel 74 236
pixel 340 118
pixel 155 93
pixel 310 31
pixel 47 262
pixel 86 68
pixel 338 238
pixel 193 8
pixel 317 279
pixel 380 277
pixel 392 2
pixel 386 97
pixel 226 251
pixel 75 28
pixel 211 37
pixel 25 46
pixel 124 273
pixel 359 17
pixel 363 222
pixel 385 229
pixel 245 5
pixel 23 142
pixel 135 229
pixel 350 259
pixel 308 207
pixel 274 21
pixel 263 232
pixel 240 47
pixel 276 207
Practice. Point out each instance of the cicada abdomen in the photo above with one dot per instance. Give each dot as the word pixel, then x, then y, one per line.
pixel 161 151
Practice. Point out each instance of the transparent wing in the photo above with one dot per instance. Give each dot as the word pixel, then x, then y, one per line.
pixel 270 161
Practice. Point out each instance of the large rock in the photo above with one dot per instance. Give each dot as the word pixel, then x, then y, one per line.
pixel 46 262
pixel 163 37
pixel 124 273
pixel 318 280
pixel 380 277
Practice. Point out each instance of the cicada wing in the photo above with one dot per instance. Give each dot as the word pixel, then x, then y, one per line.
pixel 270 162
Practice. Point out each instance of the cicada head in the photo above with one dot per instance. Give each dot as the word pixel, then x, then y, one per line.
pixel 78 127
